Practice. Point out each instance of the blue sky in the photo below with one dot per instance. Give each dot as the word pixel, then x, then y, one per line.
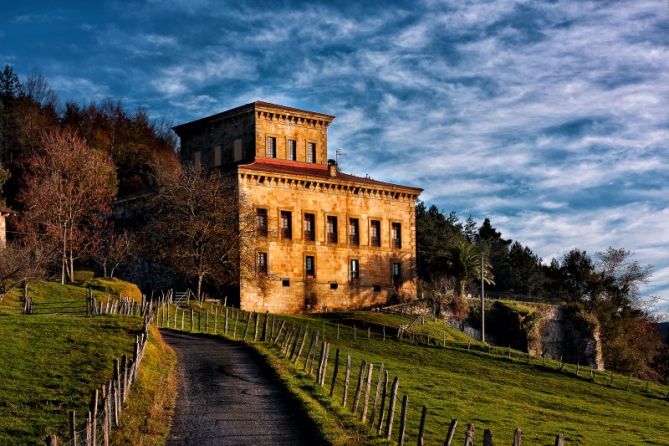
pixel 549 117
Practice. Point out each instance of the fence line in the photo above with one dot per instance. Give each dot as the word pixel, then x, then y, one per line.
pixel 287 338
pixel 108 401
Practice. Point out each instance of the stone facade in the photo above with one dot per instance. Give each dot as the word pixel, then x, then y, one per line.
pixel 4 213
pixel 326 240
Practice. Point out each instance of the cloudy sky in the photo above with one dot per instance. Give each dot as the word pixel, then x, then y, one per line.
pixel 549 117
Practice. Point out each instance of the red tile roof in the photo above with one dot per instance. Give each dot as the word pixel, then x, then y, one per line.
pixel 315 171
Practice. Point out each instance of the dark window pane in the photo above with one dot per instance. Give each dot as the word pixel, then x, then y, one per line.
pixel 286 225
pixel 397 235
pixel 353 231
pixel 309 267
pixel 332 229
pixel 261 222
pixel 309 227
pixel 375 233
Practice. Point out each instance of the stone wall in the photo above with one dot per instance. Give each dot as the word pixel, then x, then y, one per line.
pixel 331 288
pixel 286 128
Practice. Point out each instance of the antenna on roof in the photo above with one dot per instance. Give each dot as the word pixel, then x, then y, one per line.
pixel 339 152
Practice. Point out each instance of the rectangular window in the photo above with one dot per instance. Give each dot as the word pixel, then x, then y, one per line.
pixel 310 267
pixel 355 269
pixel 396 230
pixel 375 233
pixel 261 222
pixel 332 229
pixel 353 231
pixel 237 150
pixel 197 160
pixel 271 147
pixel 397 272
pixel 217 156
pixel 311 152
pixel 309 227
pixel 291 150
pixel 286 225
pixel 262 263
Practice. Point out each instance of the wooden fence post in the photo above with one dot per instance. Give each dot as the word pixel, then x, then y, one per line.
pixel 73 428
pixel 89 423
pixel 124 378
pixel 375 402
pixel 255 328
pixel 105 420
pixel 346 380
pixel 469 435
pixel 487 438
pixel 314 339
pixel 382 409
pixel 192 320
pixel 403 420
pixel 94 411
pixel 246 329
pixel 296 342
pixel 278 333
pixel 225 323
pixel 234 329
pixel 215 320
pixel 325 365
pixel 206 323
pixel 321 357
pixel 358 388
pixel 334 373
pixel 264 327
pixel 421 427
pixel 271 328
pixel 451 432
pixel 117 384
pixel 299 350
pixel 363 416
pixel 559 440
pixel 517 437
pixel 391 409
pixel 199 321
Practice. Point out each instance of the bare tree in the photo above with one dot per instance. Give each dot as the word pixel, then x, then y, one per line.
pixel 67 192
pixel 112 251
pixel 21 263
pixel 202 228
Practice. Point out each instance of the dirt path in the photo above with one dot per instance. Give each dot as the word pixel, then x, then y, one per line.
pixel 227 396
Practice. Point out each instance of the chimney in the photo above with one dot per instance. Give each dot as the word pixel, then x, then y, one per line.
pixel 332 167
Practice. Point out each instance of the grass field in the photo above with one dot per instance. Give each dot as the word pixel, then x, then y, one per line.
pixel 49 364
pixel 491 391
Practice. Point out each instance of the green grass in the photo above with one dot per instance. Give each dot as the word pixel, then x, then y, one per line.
pixel 146 419
pixel 491 391
pixel 49 364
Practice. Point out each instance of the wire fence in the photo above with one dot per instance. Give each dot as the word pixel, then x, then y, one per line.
pixel 107 402
pixel 305 343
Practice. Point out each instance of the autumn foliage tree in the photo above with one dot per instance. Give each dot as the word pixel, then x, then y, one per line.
pixel 66 194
